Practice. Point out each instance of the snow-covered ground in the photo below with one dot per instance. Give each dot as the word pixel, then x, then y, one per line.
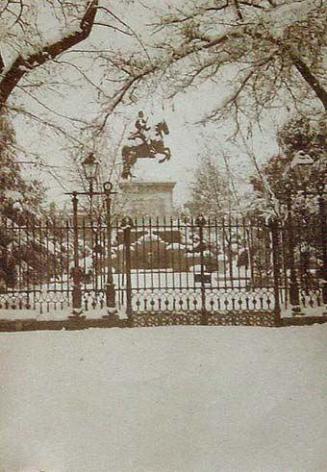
pixel 175 399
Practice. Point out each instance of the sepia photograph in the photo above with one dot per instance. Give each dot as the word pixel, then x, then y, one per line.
pixel 163 235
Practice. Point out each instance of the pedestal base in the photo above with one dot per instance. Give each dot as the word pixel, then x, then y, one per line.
pixel 145 198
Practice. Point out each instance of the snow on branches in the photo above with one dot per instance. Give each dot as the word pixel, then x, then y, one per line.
pixel 27 41
pixel 271 52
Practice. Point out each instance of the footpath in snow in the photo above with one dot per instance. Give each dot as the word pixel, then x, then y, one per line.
pixel 175 399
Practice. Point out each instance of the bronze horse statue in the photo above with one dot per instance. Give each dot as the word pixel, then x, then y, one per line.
pixel 146 150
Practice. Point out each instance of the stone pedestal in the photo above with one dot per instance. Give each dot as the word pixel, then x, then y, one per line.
pixel 145 198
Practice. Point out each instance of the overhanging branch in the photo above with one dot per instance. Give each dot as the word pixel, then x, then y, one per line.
pixel 22 65
pixel 311 80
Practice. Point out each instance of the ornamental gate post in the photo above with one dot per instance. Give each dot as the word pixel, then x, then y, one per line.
pixel 200 222
pixel 323 243
pixel 127 224
pixel 294 287
pixel 110 286
pixel 77 275
pixel 274 228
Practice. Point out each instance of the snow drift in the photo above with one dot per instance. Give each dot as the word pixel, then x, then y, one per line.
pixel 193 399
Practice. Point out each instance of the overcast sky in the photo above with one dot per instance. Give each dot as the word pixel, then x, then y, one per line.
pixel 187 140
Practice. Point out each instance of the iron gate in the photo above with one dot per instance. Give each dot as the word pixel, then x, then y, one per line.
pixel 155 271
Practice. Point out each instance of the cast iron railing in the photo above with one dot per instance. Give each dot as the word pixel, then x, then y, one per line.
pixel 200 267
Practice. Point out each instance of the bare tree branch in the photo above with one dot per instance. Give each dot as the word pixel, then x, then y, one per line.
pixel 23 65
pixel 310 78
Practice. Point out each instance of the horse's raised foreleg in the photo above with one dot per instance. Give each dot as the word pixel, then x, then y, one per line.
pixel 166 152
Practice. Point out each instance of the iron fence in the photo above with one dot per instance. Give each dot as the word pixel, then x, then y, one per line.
pixel 207 271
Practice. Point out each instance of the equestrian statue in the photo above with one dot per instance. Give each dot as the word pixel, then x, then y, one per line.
pixel 146 146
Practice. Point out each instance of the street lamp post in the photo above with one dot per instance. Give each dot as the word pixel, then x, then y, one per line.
pixel 77 272
pixel 90 166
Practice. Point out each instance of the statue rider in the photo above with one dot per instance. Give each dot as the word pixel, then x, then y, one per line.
pixel 142 129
